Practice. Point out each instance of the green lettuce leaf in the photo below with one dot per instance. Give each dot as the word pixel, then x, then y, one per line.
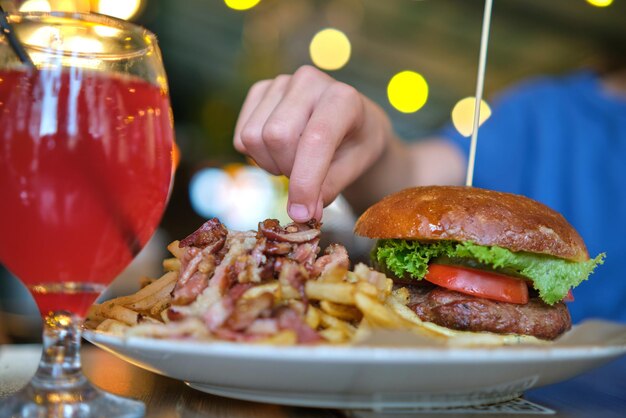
pixel 552 277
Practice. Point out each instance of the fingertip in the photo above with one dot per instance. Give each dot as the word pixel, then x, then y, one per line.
pixel 239 146
pixel 299 212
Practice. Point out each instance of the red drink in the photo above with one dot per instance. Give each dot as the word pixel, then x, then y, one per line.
pixel 85 172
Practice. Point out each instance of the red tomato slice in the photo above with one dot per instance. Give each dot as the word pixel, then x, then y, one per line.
pixel 484 284
pixel 569 297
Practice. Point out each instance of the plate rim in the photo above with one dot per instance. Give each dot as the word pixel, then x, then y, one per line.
pixel 356 354
pixel 509 368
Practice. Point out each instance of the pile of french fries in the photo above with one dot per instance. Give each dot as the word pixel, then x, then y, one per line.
pixel 343 306
pixel 148 305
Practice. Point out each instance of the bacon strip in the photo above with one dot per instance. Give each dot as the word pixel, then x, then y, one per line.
pixel 198 261
pixel 334 256
pixel 290 319
pixel 295 233
pixel 211 232
pixel 221 265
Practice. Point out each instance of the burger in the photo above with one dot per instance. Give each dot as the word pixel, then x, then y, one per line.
pixel 479 260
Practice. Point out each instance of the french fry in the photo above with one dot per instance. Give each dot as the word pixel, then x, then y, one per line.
pixel 94 313
pixel 335 335
pixel 171 264
pixel 335 292
pixel 312 317
pixel 363 331
pixel 345 312
pixel 256 291
pixel 395 303
pixel 351 277
pixel 167 280
pixel 112 326
pixel 159 307
pixel 377 314
pixel 401 295
pixel 120 313
pixel 329 321
pixel 145 281
pixel 143 319
pixel 287 337
pixel 161 294
pixel 334 275
pixel 287 292
pixel 334 330
pixel 188 328
pixel 378 280
pixel 175 250
pixel 367 289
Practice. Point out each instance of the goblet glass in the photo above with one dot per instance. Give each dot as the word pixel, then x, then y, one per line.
pixel 86 148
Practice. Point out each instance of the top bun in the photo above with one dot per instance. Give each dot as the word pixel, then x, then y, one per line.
pixel 485 217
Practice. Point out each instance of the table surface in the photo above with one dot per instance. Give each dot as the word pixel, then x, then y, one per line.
pixel 598 393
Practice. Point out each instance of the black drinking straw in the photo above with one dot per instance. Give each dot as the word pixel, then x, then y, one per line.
pixel 18 48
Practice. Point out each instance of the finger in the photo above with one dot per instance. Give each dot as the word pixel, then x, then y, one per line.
pixel 339 111
pixel 252 131
pixel 354 157
pixel 319 210
pixel 286 123
pixel 338 177
pixel 255 94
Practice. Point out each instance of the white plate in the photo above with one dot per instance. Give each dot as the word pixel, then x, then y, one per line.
pixel 370 377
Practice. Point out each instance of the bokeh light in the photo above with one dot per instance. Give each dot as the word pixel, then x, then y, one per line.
pixel 238 195
pixel 330 49
pixel 241 4
pixel 600 3
pixel 35 6
pixel 56 5
pixel 122 9
pixel 463 115
pixel 407 91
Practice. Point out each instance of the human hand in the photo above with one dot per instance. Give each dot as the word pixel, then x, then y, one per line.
pixel 319 132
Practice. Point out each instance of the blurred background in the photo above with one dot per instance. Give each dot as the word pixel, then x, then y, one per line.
pixel 214 50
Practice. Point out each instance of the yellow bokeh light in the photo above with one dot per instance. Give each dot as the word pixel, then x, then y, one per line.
pixel 122 9
pixel 407 91
pixel 463 115
pixel 330 49
pixel 35 6
pixel 600 3
pixel 241 4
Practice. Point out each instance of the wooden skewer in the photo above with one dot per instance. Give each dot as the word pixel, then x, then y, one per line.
pixel 480 81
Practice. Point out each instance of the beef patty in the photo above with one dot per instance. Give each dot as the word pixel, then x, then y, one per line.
pixel 469 313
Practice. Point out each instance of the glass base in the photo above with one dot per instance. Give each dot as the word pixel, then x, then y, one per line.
pixel 82 401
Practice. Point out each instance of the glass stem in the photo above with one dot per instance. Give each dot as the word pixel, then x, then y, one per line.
pixel 59 389
pixel 60 365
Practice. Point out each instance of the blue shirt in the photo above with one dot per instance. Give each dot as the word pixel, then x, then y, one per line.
pixel 562 141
